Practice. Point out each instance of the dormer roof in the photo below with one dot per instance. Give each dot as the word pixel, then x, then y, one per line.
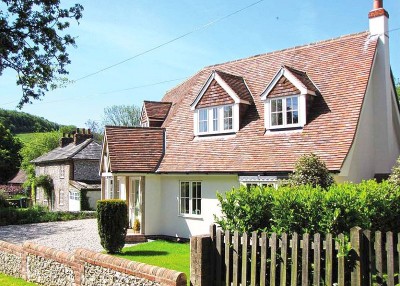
pixel 288 80
pixel 222 85
pixel 157 110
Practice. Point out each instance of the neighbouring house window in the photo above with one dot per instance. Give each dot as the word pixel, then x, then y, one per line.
pixel 190 198
pixel 62 171
pixel 215 120
pixel 284 112
pixel 74 196
pixel 61 198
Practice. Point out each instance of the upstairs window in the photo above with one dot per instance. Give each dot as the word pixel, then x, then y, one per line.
pixel 228 117
pixel 284 112
pixel 215 120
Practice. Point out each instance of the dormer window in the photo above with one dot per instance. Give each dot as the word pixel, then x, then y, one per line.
pixel 219 105
pixel 287 99
pixel 284 112
pixel 214 120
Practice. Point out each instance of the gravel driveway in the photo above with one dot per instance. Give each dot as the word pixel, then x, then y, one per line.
pixel 65 235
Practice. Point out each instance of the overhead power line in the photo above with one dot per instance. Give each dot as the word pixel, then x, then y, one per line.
pixel 170 41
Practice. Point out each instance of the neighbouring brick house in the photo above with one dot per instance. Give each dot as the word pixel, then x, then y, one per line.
pixel 246 122
pixel 74 169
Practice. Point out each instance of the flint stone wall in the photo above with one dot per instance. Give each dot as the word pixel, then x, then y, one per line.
pixel 47 266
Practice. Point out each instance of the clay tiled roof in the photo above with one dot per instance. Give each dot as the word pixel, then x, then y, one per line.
pixel 340 68
pixel 134 149
pixel 157 110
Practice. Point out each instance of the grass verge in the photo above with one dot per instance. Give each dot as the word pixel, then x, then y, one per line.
pixel 12 281
pixel 171 255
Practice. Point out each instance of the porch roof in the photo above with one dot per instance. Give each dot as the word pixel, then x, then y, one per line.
pixel 134 149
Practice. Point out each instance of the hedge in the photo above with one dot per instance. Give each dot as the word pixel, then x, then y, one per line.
pixel 369 205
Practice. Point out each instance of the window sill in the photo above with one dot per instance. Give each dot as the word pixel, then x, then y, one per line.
pixel 188 216
pixel 284 129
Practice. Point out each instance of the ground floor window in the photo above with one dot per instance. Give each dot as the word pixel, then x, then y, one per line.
pixel 74 196
pixel 190 198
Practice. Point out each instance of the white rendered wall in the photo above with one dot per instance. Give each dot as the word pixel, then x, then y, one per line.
pixel 377 142
pixel 162 204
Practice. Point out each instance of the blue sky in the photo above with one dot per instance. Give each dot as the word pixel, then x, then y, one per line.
pixel 110 33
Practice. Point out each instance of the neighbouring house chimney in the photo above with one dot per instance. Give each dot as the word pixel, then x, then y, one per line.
pixel 81 136
pixel 65 140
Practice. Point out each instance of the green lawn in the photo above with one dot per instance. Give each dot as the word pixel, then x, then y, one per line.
pixel 11 281
pixel 171 255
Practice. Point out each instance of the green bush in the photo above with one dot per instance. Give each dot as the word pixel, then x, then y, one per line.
pixel 304 209
pixel 37 214
pixel 112 220
pixel 311 170
pixel 394 178
pixel 3 201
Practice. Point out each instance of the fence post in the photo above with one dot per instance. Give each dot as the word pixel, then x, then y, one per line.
pixel 357 250
pixel 201 261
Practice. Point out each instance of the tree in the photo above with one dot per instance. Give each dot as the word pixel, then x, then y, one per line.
pixel 10 159
pixel 33 42
pixel 96 130
pixel 311 170
pixel 122 115
pixel 398 89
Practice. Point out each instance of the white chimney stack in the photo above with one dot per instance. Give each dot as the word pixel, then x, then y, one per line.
pixel 378 20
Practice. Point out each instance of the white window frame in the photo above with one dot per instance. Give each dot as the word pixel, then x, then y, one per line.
pixel 193 201
pixel 301 105
pixel 74 195
pixel 219 120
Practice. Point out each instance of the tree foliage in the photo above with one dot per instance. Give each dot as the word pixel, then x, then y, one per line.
pixel 122 115
pixel 21 122
pixel 40 144
pixel 33 42
pixel 96 129
pixel 311 170
pixel 10 159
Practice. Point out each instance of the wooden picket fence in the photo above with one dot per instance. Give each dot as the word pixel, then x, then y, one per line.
pixel 363 258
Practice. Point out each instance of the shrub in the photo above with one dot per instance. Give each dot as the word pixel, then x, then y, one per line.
pixel 304 209
pixel 37 214
pixel 46 182
pixel 310 169
pixel 394 178
pixel 3 201
pixel 112 221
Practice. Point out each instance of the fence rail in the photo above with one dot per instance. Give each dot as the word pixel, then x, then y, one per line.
pixel 362 258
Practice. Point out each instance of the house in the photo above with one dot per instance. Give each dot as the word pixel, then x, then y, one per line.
pixel 19 179
pixel 247 122
pixel 74 169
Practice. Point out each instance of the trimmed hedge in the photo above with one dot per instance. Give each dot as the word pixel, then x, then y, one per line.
pixel 112 220
pixel 304 209
pixel 37 214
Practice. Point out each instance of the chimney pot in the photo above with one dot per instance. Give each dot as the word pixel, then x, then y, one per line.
pixel 83 131
pixel 88 131
pixel 77 130
pixel 378 4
